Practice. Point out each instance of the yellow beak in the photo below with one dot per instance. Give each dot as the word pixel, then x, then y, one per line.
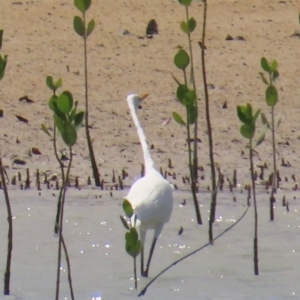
pixel 143 96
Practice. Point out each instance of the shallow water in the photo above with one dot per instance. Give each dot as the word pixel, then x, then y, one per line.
pixel 101 268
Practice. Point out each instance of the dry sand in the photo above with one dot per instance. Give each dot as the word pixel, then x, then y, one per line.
pixel 40 41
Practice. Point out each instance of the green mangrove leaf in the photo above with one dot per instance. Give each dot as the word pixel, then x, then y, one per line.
pixel 242 113
pixel 72 115
pixel 265 121
pixel 52 101
pixel 78 119
pixel 192 114
pixel 185 27
pixel 58 83
pixel 277 122
pixel 69 134
pixel 273 66
pixel 90 27
pixel 256 115
pixel 271 95
pixel 3 62
pixel 65 102
pixel 261 137
pixel 192 24
pixel 249 109
pixel 185 2
pixel 127 208
pixel 180 93
pixel 49 83
pixel 59 123
pixel 45 129
pixel 265 65
pixel 263 78
pixel 247 131
pixel 181 59
pixel 79 26
pixel 82 5
pixel 177 118
pixel 124 222
pixel 132 236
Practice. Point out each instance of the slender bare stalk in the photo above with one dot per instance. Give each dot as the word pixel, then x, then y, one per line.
pixel 134 271
pixel 69 268
pixel 193 186
pixel 209 129
pixel 274 167
pixel 255 241
pixel 64 188
pixel 56 227
pixel 192 163
pixel 10 233
pixel 61 165
pixel 87 131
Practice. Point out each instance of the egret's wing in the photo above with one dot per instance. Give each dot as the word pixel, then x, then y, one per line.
pixel 149 197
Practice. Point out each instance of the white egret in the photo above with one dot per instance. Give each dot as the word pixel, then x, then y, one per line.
pixel 151 196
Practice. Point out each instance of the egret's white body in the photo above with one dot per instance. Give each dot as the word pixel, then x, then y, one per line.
pixel 151 196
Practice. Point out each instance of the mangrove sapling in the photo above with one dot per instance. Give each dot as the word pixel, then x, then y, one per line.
pixel 3 62
pixel 247 130
pixel 188 98
pixel 84 31
pixel 53 87
pixel 271 98
pixel 133 245
pixel 214 191
pixel 67 121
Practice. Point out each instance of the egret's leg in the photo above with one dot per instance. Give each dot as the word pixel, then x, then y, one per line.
pixel 142 261
pixel 145 273
pixel 142 239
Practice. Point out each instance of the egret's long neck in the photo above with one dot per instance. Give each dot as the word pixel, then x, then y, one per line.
pixel 147 158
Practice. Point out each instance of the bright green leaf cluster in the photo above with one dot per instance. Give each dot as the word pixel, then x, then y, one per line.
pixel 133 245
pixel 187 97
pixel 189 26
pixel 79 23
pixel 3 60
pixel 51 85
pixel 246 116
pixel 66 117
pixel 271 95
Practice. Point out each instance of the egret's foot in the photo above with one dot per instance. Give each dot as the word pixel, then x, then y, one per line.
pixel 144 273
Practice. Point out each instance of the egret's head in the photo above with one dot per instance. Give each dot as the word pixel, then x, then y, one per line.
pixel 136 100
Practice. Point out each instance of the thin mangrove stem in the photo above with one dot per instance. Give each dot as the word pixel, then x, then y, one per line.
pixel 209 129
pixel 87 131
pixel 64 188
pixel 61 165
pixel 255 241
pixel 10 233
